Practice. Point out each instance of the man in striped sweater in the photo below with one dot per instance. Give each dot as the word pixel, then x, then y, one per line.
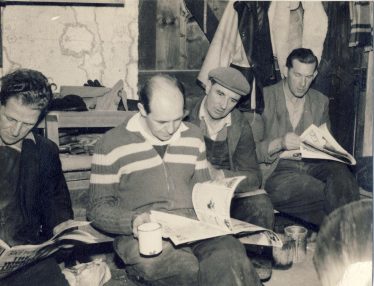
pixel 152 161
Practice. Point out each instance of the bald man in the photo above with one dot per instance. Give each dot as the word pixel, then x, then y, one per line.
pixel 151 162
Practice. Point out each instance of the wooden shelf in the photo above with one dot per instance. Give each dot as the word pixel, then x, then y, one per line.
pixel 86 119
pixel 77 168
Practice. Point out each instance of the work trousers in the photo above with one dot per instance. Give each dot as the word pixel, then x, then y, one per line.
pixel 256 209
pixel 311 189
pixel 216 261
pixel 42 273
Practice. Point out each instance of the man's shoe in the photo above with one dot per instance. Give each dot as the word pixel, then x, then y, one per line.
pixel 263 267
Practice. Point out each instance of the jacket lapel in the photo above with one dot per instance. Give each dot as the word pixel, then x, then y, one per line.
pixel 233 133
pixel 28 182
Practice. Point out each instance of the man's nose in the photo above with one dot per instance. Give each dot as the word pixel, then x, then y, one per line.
pixel 224 103
pixel 303 81
pixel 16 130
pixel 170 128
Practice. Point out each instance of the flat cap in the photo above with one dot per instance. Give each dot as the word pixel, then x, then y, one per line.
pixel 230 78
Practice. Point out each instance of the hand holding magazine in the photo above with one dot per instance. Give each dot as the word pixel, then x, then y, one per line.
pixel 66 235
pixel 211 201
pixel 318 143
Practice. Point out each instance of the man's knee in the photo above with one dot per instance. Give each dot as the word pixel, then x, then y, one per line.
pixel 222 248
pixel 177 265
pixel 257 210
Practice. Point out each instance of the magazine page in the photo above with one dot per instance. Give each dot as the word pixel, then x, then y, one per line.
pixel 18 256
pixel 181 230
pixel 21 255
pixel 212 201
pixel 265 238
pixel 68 226
pixel 254 234
pixel 318 143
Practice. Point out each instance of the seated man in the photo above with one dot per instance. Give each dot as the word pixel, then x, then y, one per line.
pixel 151 162
pixel 305 188
pixel 231 150
pixel 34 196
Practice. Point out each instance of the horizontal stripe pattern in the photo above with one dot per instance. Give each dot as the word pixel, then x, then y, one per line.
pixel 126 169
pixel 119 152
pixel 180 158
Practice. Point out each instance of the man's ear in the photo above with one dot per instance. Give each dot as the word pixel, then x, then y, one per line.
pixel 142 109
pixel 315 74
pixel 208 86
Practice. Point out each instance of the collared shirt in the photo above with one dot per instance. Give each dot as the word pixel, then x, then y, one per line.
pixel 295 108
pixel 216 131
pixel 135 125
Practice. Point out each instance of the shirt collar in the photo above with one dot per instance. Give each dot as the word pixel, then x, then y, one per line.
pixel 18 145
pixel 134 125
pixel 220 123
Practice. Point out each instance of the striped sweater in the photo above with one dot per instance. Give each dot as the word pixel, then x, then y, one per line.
pixel 129 177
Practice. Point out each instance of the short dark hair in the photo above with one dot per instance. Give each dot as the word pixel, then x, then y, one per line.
pixel 145 94
pixel 303 55
pixel 30 86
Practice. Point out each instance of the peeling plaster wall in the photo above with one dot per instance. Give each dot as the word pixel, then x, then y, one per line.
pixel 71 44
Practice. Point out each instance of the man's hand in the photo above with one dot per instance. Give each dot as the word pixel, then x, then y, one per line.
pixel 291 141
pixel 139 220
pixel 215 174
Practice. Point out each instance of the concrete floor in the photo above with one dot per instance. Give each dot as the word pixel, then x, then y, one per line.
pixel 302 273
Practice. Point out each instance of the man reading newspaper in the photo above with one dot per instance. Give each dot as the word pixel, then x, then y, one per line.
pixel 151 162
pixel 34 196
pixel 305 188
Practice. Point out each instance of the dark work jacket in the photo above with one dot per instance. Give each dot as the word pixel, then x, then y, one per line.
pixel 43 193
pixel 254 30
pixel 242 150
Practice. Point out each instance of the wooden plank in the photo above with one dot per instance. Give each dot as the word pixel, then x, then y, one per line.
pixel 75 162
pixel 77 175
pixel 78 185
pixel 51 129
pixel 147 34
pixel 167 34
pixel 86 119
pixel 197 45
pixel 207 13
pixel 184 15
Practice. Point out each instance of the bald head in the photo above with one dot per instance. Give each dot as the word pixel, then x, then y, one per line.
pixel 161 86
pixel 162 105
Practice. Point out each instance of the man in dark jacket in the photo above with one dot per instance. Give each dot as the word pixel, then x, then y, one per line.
pixel 229 143
pixel 34 195
pixel 231 151
pixel 307 189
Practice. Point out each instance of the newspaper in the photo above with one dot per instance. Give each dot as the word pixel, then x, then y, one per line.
pixel 211 201
pixel 318 143
pixel 67 235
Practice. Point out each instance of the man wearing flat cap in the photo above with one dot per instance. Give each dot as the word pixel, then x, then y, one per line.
pixel 230 147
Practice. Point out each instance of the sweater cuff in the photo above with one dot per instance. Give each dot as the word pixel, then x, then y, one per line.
pixel 275 146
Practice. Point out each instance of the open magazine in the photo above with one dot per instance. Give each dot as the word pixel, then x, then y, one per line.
pixel 211 201
pixel 318 143
pixel 68 234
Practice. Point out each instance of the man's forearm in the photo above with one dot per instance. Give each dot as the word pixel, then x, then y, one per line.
pixel 108 216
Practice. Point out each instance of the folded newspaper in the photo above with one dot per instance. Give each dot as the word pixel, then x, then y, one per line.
pixel 67 235
pixel 318 143
pixel 211 201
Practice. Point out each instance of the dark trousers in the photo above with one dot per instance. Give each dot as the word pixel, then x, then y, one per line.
pixel 311 189
pixel 216 261
pixel 43 273
pixel 257 209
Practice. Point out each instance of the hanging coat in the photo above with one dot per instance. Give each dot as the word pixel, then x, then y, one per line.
pixel 312 36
